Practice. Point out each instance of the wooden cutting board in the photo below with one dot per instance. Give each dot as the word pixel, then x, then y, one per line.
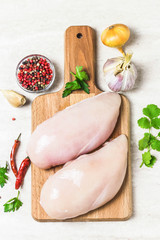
pixel 80 50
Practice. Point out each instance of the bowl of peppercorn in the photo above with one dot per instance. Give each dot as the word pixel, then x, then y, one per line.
pixel 35 73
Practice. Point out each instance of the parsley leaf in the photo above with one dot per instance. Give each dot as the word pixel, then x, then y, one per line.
pixel 66 92
pixel 81 75
pixel 156 145
pixel 151 111
pixel 78 83
pixel 150 136
pixel 73 85
pixel 144 123
pixel 144 142
pixel 148 159
pixel 70 86
pixel 155 122
pixel 3 176
pixel 13 204
pixel 84 86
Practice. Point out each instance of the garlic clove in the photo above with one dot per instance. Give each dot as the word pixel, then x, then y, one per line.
pixel 129 77
pixel 112 63
pixel 14 98
pixel 115 83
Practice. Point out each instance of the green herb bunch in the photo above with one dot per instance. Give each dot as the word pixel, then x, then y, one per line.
pixel 149 141
pixel 13 204
pixel 78 83
pixel 3 176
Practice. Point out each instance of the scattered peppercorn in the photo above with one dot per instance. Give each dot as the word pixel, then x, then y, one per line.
pixel 35 73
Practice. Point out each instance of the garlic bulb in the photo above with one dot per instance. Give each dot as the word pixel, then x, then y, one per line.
pixel 120 73
pixel 14 98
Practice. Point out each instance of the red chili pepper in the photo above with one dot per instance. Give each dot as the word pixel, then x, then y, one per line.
pixel 13 154
pixel 22 172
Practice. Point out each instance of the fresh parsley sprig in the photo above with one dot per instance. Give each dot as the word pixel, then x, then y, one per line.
pixel 3 176
pixel 13 204
pixel 149 141
pixel 78 83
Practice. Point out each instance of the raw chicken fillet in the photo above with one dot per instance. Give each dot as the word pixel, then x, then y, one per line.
pixel 77 130
pixel 86 183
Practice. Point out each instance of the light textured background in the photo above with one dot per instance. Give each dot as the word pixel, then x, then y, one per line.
pixel 37 26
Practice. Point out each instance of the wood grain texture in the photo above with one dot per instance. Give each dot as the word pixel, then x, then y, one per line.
pixel 81 51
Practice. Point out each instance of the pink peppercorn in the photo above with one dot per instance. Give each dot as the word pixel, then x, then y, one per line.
pixel 35 73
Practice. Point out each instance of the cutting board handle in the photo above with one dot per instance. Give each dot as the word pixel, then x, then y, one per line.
pixel 80 51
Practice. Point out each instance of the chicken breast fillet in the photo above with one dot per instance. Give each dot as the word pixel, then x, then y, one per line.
pixel 74 131
pixel 86 183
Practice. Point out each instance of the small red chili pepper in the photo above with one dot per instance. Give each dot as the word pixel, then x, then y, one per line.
pixel 13 119
pixel 13 154
pixel 22 172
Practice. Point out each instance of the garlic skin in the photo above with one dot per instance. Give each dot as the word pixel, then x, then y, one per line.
pixel 120 73
pixel 14 98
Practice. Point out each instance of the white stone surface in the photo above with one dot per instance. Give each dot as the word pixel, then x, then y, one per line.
pixel 37 26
